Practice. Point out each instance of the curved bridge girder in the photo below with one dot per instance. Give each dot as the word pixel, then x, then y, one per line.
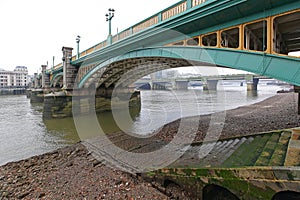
pixel 56 79
pixel 149 60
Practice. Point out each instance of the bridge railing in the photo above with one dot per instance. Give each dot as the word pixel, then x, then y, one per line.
pixel 149 22
pixel 174 10
pixel 165 14
pixel 197 2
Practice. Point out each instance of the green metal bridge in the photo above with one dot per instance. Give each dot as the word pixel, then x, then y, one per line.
pixel 252 35
pixel 247 35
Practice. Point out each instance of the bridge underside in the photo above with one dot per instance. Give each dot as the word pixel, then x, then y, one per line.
pixel 128 71
pixel 130 67
pixel 57 80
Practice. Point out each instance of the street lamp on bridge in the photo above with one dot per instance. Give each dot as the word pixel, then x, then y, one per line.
pixel 109 17
pixel 77 41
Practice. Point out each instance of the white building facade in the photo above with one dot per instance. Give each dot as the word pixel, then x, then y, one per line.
pixel 17 78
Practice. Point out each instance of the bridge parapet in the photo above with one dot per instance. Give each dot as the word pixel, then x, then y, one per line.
pixel 165 14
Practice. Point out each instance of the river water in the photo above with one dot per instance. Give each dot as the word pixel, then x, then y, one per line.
pixel 24 133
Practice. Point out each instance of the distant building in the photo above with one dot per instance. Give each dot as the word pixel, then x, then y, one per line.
pixel 17 78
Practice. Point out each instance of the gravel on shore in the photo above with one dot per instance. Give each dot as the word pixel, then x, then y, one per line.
pixel 73 173
pixel 274 113
pixel 70 173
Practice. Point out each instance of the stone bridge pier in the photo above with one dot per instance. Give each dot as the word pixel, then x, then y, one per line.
pixel 69 71
pixel 181 85
pixel 45 78
pixel 252 82
pixel 211 85
pixel 86 101
pixel 41 85
pixel 59 104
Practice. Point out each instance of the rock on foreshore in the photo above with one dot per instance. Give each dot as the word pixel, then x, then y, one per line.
pixel 70 173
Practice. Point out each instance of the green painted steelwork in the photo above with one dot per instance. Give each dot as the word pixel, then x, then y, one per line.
pixel 257 62
pixel 212 15
pixel 55 77
pixel 55 71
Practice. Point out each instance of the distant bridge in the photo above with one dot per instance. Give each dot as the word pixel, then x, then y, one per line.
pixel 182 82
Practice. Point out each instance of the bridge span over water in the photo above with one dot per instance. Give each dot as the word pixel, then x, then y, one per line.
pixel 251 35
pixel 247 35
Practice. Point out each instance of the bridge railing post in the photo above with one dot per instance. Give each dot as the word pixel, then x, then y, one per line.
pixel 189 4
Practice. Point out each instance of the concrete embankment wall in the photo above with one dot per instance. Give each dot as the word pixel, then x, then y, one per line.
pixel 15 91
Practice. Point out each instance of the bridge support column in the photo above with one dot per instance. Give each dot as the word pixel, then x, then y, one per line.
pixel 297 90
pixel 252 84
pixel 181 85
pixel 158 86
pixel 37 95
pixel 210 85
pixel 298 103
pixel 36 81
pixel 60 104
pixel 57 105
pixel 45 78
pixel 69 71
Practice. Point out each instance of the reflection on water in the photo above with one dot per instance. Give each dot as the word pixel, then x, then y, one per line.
pixel 24 133
pixel 252 94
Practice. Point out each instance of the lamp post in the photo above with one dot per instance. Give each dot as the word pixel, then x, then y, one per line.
pixel 77 41
pixel 109 17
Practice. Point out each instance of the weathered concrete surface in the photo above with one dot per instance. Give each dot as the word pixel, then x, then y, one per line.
pixel 63 104
pixel 37 96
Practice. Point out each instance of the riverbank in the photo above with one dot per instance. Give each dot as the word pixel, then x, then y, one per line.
pixel 274 113
pixel 70 173
pixel 73 173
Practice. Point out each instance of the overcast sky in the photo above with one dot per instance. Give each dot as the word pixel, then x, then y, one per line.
pixel 33 31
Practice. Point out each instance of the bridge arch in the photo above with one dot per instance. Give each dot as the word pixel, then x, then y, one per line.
pixel 145 61
pixel 56 79
pixel 174 190
pixel 214 192
pixel 291 195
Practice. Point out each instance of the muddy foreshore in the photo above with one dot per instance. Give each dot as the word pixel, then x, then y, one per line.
pixel 73 173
